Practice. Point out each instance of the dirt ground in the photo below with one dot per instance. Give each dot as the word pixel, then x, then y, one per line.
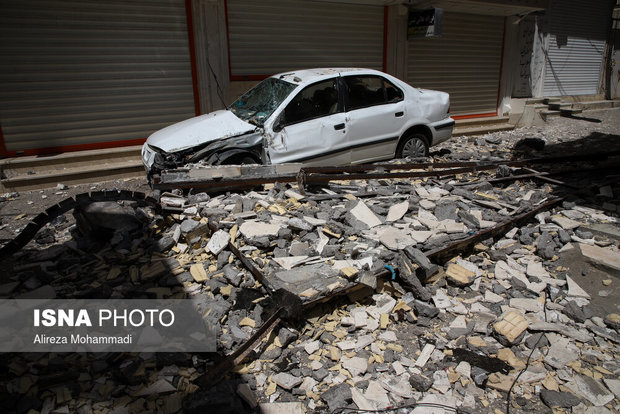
pixel 17 208
pixel 591 278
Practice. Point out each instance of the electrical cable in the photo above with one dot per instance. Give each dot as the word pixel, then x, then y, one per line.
pixel 219 91
pixel 527 364
pixel 344 410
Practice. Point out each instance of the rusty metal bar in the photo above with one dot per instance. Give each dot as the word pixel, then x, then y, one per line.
pixel 316 175
pixel 541 176
pixel 232 183
pixel 323 178
pixel 215 374
pixel 247 262
pixel 440 255
pixel 224 184
pixel 410 166
pixel 502 179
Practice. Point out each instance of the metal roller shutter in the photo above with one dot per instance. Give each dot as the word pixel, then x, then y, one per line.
pixel 465 62
pixel 576 48
pixel 274 36
pixel 92 71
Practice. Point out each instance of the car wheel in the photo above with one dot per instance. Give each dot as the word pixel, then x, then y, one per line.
pixel 413 146
pixel 239 160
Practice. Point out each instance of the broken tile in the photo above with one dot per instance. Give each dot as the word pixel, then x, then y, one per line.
pixel 511 327
pixel 218 241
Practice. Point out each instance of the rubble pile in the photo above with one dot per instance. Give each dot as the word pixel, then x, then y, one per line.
pixel 506 318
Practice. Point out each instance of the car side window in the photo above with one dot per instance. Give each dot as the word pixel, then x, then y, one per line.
pixel 314 101
pixel 365 91
pixel 393 93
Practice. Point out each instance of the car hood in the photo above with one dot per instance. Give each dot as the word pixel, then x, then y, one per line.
pixel 199 130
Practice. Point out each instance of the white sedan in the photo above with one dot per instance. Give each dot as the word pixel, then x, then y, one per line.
pixel 329 116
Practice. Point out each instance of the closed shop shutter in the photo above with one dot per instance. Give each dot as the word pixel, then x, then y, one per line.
pixel 273 36
pixel 91 71
pixel 576 46
pixel 465 62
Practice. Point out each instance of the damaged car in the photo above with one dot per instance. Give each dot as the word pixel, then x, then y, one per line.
pixel 329 116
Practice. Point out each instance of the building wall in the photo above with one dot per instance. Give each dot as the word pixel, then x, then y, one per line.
pixel 562 50
pixel 88 73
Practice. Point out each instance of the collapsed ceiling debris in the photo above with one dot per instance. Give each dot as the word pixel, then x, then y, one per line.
pixel 374 287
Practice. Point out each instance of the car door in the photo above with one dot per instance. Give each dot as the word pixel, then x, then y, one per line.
pixel 376 115
pixel 312 128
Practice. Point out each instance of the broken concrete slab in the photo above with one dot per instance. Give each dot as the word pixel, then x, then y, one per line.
pixel 286 380
pixel 397 211
pixel 561 352
pixel 558 399
pixel 574 290
pixel 604 257
pixel 356 365
pixel 290 262
pixel 460 276
pixel 362 217
pixel 393 238
pixel 218 242
pixel 565 223
pixel 253 229
pixel 590 389
pixel 282 408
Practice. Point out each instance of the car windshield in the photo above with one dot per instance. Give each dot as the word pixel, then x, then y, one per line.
pixel 257 104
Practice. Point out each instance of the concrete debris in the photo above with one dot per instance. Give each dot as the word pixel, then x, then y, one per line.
pixel 456 332
pixel 286 380
pixel 609 258
pixel 397 211
pixel 591 389
pixel 282 408
pixel 362 217
pixel 460 276
pixel 510 328
pixel 558 399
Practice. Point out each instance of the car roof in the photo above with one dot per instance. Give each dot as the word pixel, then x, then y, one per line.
pixel 306 76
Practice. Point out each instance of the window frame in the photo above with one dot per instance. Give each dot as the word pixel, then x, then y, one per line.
pixel 345 91
pixel 282 122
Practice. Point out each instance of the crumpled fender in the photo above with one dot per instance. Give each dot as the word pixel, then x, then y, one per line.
pixel 220 158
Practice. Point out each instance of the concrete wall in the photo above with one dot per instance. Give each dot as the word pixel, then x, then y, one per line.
pixel 211 46
pixel 528 76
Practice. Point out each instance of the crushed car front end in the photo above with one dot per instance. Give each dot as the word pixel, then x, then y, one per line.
pixel 233 135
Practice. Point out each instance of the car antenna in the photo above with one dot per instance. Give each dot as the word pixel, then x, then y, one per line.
pixel 219 89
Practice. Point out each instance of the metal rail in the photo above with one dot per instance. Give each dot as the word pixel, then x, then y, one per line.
pixel 322 175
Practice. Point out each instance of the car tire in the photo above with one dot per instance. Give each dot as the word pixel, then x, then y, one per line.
pixel 239 160
pixel 413 145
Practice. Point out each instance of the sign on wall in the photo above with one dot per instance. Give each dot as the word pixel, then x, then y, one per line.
pixel 425 23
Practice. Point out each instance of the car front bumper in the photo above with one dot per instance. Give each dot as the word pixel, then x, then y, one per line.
pixel 148 157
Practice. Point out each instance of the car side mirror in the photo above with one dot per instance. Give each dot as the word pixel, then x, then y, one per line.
pixel 279 124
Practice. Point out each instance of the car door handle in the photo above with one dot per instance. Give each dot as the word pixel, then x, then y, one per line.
pixel 339 127
pixel 399 114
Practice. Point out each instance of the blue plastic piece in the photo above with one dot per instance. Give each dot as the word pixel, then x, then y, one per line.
pixel 391 269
